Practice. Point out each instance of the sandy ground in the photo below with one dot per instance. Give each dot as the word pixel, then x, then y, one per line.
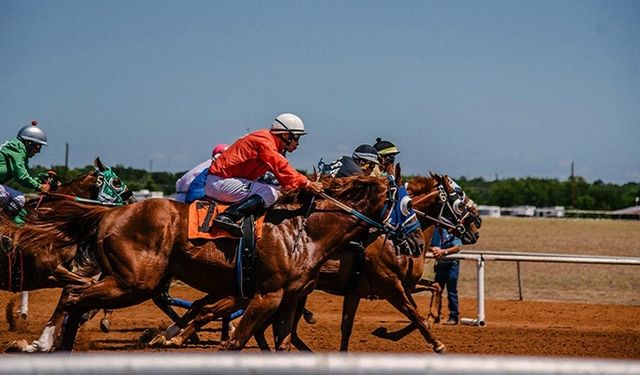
pixel 513 328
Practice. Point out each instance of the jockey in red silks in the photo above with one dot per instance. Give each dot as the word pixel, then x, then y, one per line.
pixel 233 177
pixel 184 182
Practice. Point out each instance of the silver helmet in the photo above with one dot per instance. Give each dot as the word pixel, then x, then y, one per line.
pixel 32 133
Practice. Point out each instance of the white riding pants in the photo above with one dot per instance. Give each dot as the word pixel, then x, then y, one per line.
pixel 232 190
pixel 8 194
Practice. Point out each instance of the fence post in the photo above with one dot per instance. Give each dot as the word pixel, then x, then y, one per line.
pixel 519 281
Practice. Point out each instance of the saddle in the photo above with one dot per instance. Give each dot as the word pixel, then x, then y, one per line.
pixel 201 215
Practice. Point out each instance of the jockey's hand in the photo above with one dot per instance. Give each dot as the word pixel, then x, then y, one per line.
pixel 44 188
pixel 315 187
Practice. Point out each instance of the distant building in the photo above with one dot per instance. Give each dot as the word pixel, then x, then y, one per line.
pixel 523 211
pixel 146 194
pixel 489 211
pixel 556 211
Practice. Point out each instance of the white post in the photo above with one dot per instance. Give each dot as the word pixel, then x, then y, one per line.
pixel 24 305
pixel 480 322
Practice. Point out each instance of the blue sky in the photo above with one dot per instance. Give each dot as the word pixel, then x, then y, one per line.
pixel 467 88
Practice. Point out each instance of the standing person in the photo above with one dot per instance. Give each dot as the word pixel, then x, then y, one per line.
pixel 387 151
pixel 233 177
pixel 183 183
pixel 14 164
pixel 362 162
pixel 444 243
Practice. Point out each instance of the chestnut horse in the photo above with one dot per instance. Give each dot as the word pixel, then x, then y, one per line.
pixel 141 246
pixel 385 275
pixel 395 278
pixel 44 259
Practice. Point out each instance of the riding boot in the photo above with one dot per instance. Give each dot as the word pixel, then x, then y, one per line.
pixel 21 218
pixel 228 220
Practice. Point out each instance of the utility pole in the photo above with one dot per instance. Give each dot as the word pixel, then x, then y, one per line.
pixel 66 159
pixel 150 165
pixel 573 187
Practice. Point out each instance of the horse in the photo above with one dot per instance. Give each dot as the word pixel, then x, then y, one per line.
pixel 395 278
pixel 44 259
pixel 384 274
pixel 141 246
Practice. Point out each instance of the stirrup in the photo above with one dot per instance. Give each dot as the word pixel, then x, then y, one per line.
pixel 227 224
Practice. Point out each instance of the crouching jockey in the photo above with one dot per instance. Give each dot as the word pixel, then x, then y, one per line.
pixel 14 164
pixel 234 176
pixel 185 192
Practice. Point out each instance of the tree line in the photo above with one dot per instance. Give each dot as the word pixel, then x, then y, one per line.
pixel 574 192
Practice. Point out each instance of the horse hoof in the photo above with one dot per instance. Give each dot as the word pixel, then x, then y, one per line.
pixel 158 341
pixel 17 346
pixel 194 339
pixel 104 325
pixel 440 348
pixel 380 332
pixel 148 335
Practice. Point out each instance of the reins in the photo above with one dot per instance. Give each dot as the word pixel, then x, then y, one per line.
pixel 81 200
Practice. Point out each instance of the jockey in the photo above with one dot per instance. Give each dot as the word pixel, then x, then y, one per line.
pixel 233 177
pixel 363 162
pixel 387 152
pixel 183 183
pixel 14 164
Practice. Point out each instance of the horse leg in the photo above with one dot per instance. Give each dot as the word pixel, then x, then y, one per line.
pixel 435 307
pixel 295 339
pixel 23 312
pixel 349 307
pixel 283 326
pixel 260 309
pixel 202 312
pixel 401 302
pixel 260 338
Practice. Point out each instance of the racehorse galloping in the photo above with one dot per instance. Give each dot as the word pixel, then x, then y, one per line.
pixel 140 246
pixel 385 275
pixel 45 259
pixel 395 278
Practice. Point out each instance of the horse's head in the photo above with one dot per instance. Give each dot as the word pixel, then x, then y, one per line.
pixel 441 201
pixel 101 184
pixel 383 204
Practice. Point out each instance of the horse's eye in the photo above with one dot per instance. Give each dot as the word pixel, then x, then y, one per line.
pixel 116 183
pixel 406 204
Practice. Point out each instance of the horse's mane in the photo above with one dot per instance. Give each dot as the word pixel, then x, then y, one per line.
pixel 355 189
pixel 421 185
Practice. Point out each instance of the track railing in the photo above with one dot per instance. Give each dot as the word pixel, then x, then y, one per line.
pixel 481 256
pixel 303 364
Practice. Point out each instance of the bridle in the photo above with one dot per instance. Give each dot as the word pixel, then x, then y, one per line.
pixel 453 211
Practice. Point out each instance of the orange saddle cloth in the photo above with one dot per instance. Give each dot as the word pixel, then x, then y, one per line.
pixel 198 212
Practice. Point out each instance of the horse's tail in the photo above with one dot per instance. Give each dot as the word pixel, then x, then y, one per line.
pixel 78 222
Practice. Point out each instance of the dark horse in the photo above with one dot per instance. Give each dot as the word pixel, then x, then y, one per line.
pixel 141 246
pixel 385 275
pixel 43 258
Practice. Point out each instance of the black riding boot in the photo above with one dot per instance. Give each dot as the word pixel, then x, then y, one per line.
pixel 228 220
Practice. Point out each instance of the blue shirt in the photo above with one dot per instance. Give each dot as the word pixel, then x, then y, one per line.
pixel 444 240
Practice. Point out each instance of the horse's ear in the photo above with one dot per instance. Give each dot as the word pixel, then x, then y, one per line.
pixel 98 164
pixel 398 174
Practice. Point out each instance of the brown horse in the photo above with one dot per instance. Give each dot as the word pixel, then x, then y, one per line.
pixel 385 275
pixel 395 278
pixel 140 246
pixel 46 259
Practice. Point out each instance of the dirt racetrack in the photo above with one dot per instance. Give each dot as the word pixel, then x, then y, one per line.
pixel 513 328
pixel 569 309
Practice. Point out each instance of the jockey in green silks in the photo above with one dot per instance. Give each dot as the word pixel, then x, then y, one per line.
pixel 14 164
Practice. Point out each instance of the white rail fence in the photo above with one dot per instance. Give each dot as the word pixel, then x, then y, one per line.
pixel 303 364
pixel 481 256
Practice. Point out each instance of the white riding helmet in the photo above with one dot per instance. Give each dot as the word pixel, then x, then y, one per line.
pixel 288 123
pixel 32 133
